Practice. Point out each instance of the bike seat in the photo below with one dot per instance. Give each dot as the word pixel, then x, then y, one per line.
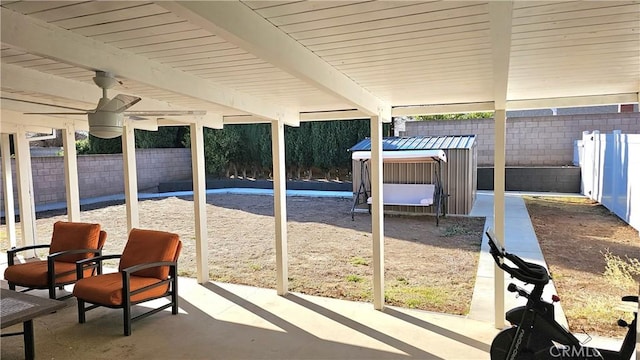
pixel 630 298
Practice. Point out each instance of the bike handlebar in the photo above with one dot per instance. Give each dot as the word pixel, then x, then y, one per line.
pixel 524 271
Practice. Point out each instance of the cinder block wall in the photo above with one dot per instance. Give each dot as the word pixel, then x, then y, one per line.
pixel 100 175
pixel 531 141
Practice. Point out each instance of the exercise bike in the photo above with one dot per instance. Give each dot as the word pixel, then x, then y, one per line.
pixel 534 333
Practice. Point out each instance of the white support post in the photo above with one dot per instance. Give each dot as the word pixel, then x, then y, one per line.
pixel 71 172
pixel 7 189
pixel 280 206
pixel 498 209
pixel 199 201
pixel 26 198
pixel 377 213
pixel 500 20
pixel 130 176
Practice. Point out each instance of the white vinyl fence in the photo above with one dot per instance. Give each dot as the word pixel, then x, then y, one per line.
pixel 610 166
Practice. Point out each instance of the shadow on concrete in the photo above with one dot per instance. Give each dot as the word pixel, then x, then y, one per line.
pixel 194 333
pixel 373 333
pixel 309 345
pixel 438 329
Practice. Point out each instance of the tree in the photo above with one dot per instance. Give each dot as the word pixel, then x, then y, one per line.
pixel 165 137
pixel 218 144
pixel 320 145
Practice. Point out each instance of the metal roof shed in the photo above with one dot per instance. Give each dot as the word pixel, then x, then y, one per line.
pixel 458 173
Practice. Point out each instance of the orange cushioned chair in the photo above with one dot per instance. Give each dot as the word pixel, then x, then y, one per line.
pixel 147 271
pixel 70 242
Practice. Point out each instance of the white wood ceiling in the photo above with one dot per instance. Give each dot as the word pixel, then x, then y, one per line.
pixel 400 53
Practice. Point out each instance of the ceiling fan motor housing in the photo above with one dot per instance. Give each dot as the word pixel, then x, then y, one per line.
pixel 105 124
pixel 105 80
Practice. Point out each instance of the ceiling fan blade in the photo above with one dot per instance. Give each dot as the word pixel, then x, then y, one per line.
pixel 41 103
pixel 56 113
pixel 166 113
pixel 119 103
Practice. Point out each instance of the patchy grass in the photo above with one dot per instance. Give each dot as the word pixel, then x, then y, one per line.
pixel 621 272
pixel 255 267
pixel 456 229
pixel 416 296
pixel 359 261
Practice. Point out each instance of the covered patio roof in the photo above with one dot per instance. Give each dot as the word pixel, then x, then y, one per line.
pixel 276 59
pixel 286 62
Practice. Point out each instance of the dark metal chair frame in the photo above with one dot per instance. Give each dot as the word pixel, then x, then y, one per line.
pixel 51 274
pixel 127 303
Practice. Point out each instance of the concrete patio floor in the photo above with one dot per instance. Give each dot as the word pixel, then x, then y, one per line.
pixel 226 321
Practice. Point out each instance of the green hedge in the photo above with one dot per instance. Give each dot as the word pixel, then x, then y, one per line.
pixel 315 149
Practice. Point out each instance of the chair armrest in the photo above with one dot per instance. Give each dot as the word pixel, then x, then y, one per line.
pixel 11 253
pixel 96 259
pixel 134 268
pixel 51 267
pixel 74 251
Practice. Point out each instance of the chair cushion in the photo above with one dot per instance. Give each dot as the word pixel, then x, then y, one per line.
pixel 146 246
pixel 106 289
pixel 34 274
pixel 71 236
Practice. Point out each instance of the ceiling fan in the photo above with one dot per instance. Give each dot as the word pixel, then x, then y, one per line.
pixel 106 120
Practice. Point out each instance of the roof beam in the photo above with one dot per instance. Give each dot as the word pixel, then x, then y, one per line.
pixel 574 101
pixel 526 104
pixel 26 80
pixel 304 117
pixel 38 37
pixel 213 121
pixel 238 24
pixel 500 18
pixel 244 119
pixel 146 124
pixel 333 115
pixel 442 109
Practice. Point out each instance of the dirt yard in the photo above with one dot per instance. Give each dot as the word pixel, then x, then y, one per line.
pixel 426 267
pixel 593 258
